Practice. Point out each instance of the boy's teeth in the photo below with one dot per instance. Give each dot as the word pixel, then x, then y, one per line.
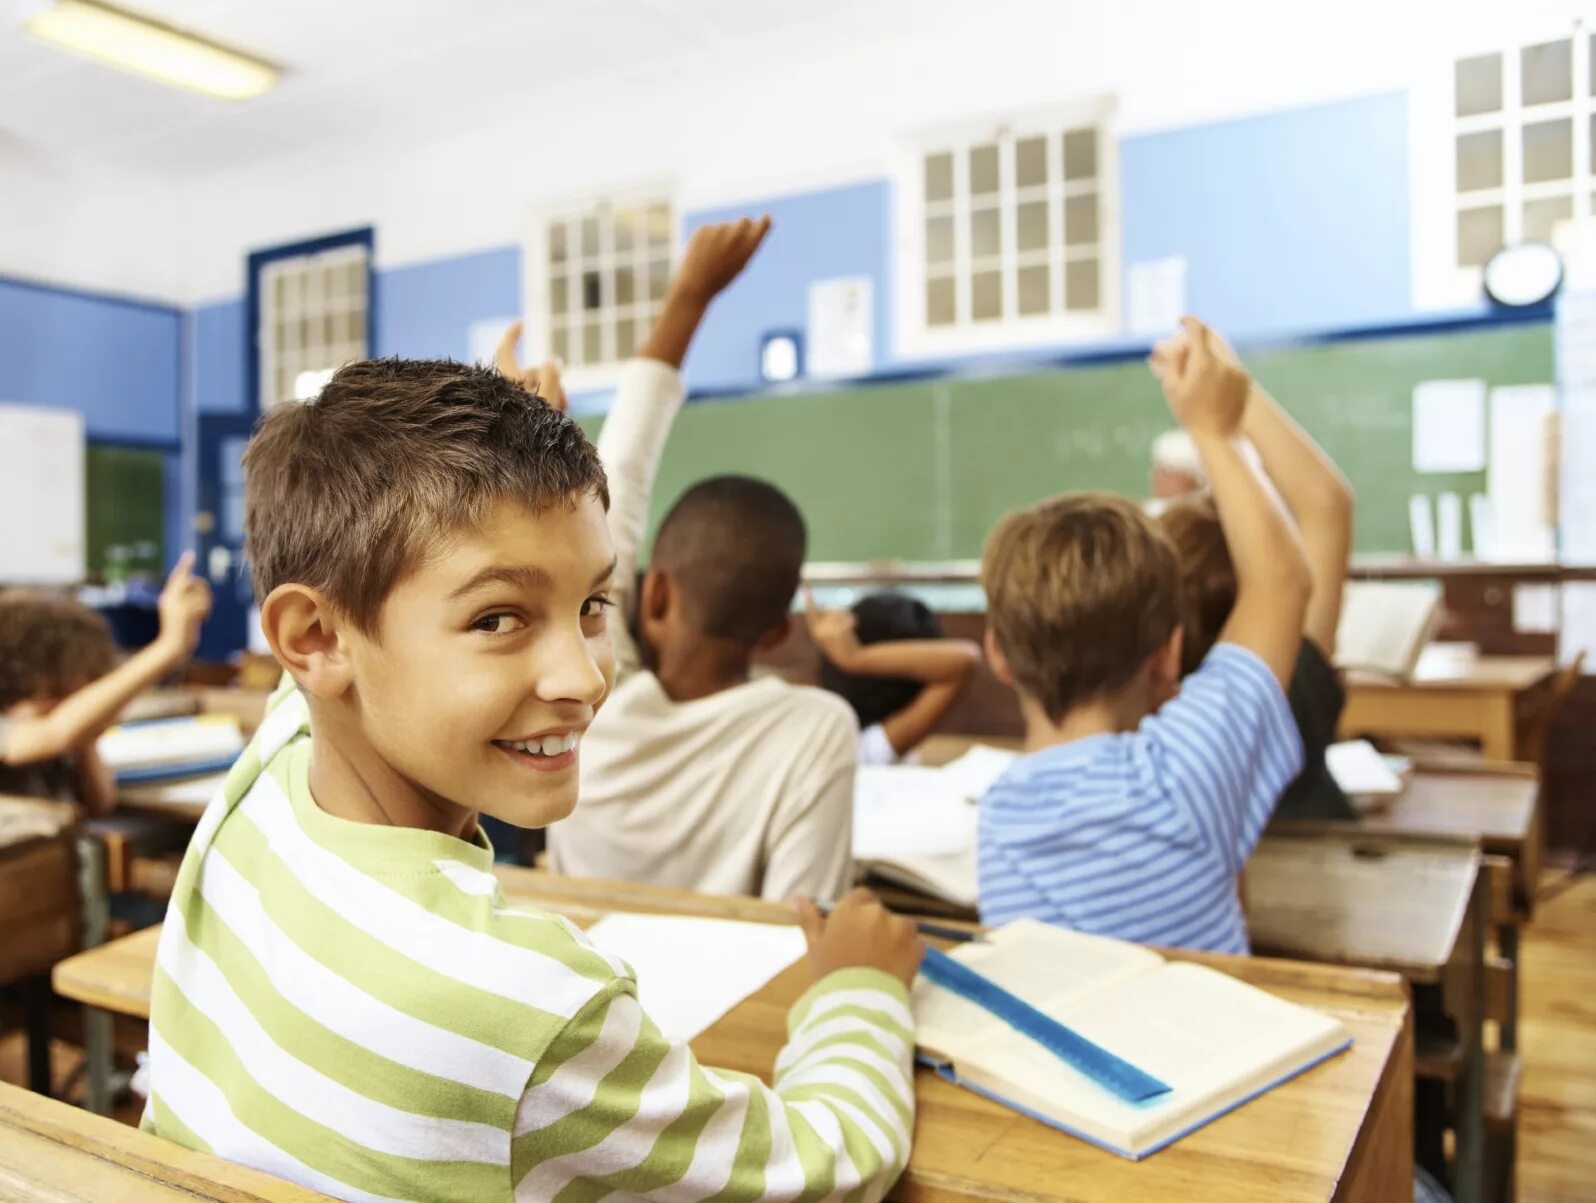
pixel 549 745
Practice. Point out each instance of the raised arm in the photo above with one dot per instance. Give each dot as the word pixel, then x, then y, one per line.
pixel 1208 395
pixel 82 716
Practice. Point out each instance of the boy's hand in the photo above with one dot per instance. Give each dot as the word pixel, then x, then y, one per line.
pixel 184 606
pixel 716 255
pixel 860 933
pixel 1206 389
pixel 835 632
pixel 543 381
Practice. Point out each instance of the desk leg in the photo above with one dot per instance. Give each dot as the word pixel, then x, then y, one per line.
pixel 1507 941
pixel 96 1023
pixel 36 1006
pixel 1498 728
pixel 1468 1178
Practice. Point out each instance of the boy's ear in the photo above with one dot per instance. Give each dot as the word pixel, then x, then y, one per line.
pixel 775 637
pixel 996 658
pixel 1165 666
pixel 307 637
pixel 654 598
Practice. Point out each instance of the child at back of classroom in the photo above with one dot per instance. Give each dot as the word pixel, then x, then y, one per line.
pixel 888 658
pixel 1141 796
pixel 1321 503
pixel 343 995
pixel 61 685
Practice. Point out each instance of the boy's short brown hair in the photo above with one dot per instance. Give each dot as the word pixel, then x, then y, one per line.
pixel 1207 575
pixel 51 645
pixel 348 492
pixel 1081 589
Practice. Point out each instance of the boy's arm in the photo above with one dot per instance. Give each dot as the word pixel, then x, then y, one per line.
pixel 82 716
pixel 615 1108
pixel 907 729
pixel 1209 396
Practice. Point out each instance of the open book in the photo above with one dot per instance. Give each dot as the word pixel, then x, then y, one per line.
pixel 165 749
pixel 915 827
pixel 1385 625
pixel 1216 1041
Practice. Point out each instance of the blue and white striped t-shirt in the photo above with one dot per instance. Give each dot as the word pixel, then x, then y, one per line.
pixel 1139 836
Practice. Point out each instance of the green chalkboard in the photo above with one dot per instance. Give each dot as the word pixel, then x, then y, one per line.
pixel 921 470
pixel 126 499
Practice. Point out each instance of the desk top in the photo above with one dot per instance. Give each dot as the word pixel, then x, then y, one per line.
pixel 1320 1134
pixel 1513 674
pixel 1348 901
pixel 61 1154
pixel 1498 805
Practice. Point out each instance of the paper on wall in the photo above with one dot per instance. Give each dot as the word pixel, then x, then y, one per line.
pixel 1421 526
pixel 1577 632
pixel 1534 609
pixel 1449 426
pixel 1449 526
pixel 1577 491
pixel 1575 336
pixel 483 339
pixel 841 327
pixel 1519 472
pixel 1156 295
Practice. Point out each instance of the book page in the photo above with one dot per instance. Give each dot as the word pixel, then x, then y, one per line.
pixel 690 971
pixel 978 769
pixel 1359 769
pixel 1046 966
pixel 171 741
pixel 1213 1039
pixel 1385 624
pixel 905 810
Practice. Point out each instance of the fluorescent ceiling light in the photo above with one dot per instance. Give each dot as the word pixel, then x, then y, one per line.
pixel 150 49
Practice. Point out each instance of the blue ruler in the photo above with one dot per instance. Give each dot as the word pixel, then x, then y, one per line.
pixel 1114 1074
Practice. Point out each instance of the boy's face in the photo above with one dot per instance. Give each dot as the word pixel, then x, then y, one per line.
pixel 491 659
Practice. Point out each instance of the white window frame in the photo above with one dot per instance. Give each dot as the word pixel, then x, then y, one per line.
pixel 306 275
pixel 914 336
pixel 535 276
pixel 1438 281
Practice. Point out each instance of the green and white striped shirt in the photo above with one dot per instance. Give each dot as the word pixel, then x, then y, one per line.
pixel 359 1009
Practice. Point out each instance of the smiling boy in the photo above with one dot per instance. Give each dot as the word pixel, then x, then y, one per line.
pixel 343 996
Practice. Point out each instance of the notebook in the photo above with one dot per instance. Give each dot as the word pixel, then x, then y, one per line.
pixel 1385 625
pixel 163 749
pixel 1216 1041
pixel 1368 779
pixel 915 827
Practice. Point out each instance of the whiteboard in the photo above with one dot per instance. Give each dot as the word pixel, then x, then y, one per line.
pixel 41 496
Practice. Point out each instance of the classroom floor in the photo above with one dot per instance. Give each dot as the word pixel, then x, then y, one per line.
pixel 1557 1035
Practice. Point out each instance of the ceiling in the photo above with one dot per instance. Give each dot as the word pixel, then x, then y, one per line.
pixel 359 69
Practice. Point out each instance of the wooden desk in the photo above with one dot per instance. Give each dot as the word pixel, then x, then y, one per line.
pixel 1481 704
pixel 1342 1131
pixel 51 1151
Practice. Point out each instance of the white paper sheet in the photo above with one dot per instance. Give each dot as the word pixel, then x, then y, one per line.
pixel 1449 426
pixel 1156 295
pixel 1421 525
pixel 41 494
pixel 692 971
pixel 1535 609
pixel 1578 628
pixel 483 339
pixel 1519 472
pixel 1481 527
pixel 905 810
pixel 1360 770
pixel 973 773
pixel 1575 335
pixel 1577 492
pixel 1449 526
pixel 841 327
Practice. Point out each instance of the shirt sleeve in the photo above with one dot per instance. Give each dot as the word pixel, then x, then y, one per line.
pixel 874 746
pixel 614 1108
pixel 809 848
pixel 630 445
pixel 1225 748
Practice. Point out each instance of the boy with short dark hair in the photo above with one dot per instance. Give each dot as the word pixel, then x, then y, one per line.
pixel 1135 807
pixel 343 996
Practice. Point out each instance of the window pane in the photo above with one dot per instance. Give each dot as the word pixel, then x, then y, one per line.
pixel 559 343
pixel 592 291
pixel 360 328
pixel 592 342
pixel 557 294
pixel 1479 84
pixel 1548 150
pixel 625 286
pixel 557 242
pixel 939 176
pixel 1547 72
pixel 1030 226
pixel 1541 216
pixel 1080 284
pixel 985 232
pixel 625 338
pixel 939 301
pixel 1479 160
pixel 986 296
pixel 938 239
pixel 659 225
pixel 659 274
pixel 1080 219
pixel 983 169
pixel 627 223
pixel 1479 234
pixel 1030 162
pixel 590 236
pixel 1080 154
pixel 1033 282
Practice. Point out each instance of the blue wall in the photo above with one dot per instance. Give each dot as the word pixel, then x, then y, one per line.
pixel 425 310
pixel 219 360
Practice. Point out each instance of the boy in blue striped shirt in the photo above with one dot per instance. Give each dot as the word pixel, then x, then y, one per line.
pixel 1137 806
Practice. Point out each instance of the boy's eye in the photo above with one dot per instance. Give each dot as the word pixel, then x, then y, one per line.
pixel 497 624
pixel 594 607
